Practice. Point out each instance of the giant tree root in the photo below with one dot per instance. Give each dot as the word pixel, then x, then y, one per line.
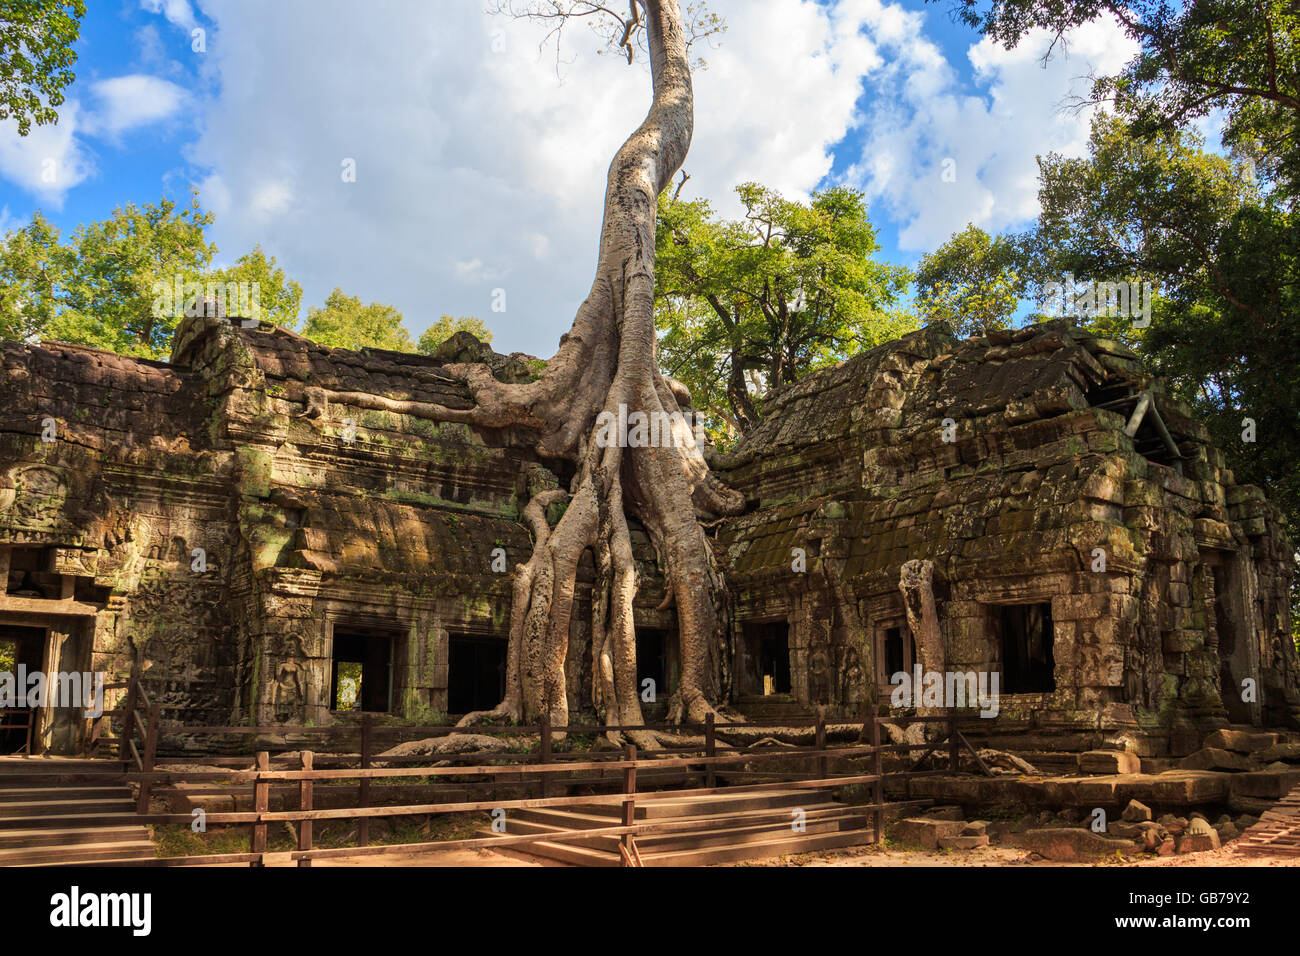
pixel 606 367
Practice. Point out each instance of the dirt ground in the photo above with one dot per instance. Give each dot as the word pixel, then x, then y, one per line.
pixel 858 856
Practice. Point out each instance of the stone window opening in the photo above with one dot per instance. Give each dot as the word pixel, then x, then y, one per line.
pixel 895 652
pixel 476 673
pixel 1025 639
pixel 361 671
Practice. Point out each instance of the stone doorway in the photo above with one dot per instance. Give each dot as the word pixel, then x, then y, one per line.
pixel 476 673
pixel 361 672
pixel 764 668
pixel 1026 636
pixel 19 647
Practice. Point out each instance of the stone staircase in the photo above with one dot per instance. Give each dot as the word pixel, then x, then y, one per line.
pixel 723 829
pixel 43 801
pixel 772 708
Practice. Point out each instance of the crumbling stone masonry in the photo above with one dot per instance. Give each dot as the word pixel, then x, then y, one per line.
pixel 209 520
pixel 1004 461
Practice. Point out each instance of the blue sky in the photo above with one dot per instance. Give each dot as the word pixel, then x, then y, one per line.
pixel 478 169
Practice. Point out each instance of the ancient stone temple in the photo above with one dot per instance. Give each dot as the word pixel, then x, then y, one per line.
pixel 264 556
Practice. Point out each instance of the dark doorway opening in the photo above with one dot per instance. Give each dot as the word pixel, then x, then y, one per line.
pixel 476 673
pixel 652 662
pixel 361 675
pixel 767 658
pixel 1026 637
pixel 23 646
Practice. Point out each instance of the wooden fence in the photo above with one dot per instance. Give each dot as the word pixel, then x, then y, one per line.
pixel 626 773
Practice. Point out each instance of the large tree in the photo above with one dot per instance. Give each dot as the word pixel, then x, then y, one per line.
pixel 608 363
pixel 124 283
pixel 971 283
pixel 749 305
pixel 99 288
pixel 36 57
pixel 447 326
pixel 345 322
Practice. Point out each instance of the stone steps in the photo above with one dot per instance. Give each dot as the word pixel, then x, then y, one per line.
pixel 58 811
pixel 720 828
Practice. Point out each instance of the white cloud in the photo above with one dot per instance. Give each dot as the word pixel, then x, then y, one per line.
pixel 923 116
pixel 132 101
pixel 177 12
pixel 477 169
pixel 49 160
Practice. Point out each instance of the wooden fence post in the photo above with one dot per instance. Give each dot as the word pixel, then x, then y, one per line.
pixel 304 803
pixel 261 803
pixel 150 749
pixel 710 749
pixel 954 742
pixel 363 799
pixel 627 846
pixel 821 742
pixel 128 716
pixel 546 753
pixel 877 788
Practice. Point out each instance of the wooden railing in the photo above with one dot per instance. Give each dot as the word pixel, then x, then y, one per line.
pixel 497 770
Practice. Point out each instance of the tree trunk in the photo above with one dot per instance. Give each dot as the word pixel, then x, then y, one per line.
pixel 607 359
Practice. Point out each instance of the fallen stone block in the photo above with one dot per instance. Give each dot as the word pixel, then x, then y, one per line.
pixel 975 828
pixel 964 842
pixel 946 812
pixel 1265 784
pixel 1240 741
pixel 1286 753
pixel 1136 812
pixel 1109 761
pixel 1070 843
pixel 1214 758
pixel 924 831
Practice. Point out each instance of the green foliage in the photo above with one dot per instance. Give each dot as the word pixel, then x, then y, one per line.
pixel 8 656
pixel 345 323
pixel 749 305
pixel 36 57
pixel 1240 56
pixel 971 283
pixel 279 297
pixel 1225 331
pixel 446 327
pixel 97 289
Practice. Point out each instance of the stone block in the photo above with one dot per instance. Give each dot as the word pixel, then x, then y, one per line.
pixel 1070 843
pixel 1136 812
pixel 925 832
pixel 964 842
pixel 1241 741
pixel 1109 761
pixel 1213 758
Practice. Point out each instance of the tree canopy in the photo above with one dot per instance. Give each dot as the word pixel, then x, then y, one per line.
pixel 98 287
pixel 747 305
pixel 36 58
pixel 344 322
pixel 971 283
pixel 446 327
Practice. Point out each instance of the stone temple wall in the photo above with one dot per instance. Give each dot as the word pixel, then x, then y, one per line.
pixel 216 522
pixel 312 521
pixel 1004 461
